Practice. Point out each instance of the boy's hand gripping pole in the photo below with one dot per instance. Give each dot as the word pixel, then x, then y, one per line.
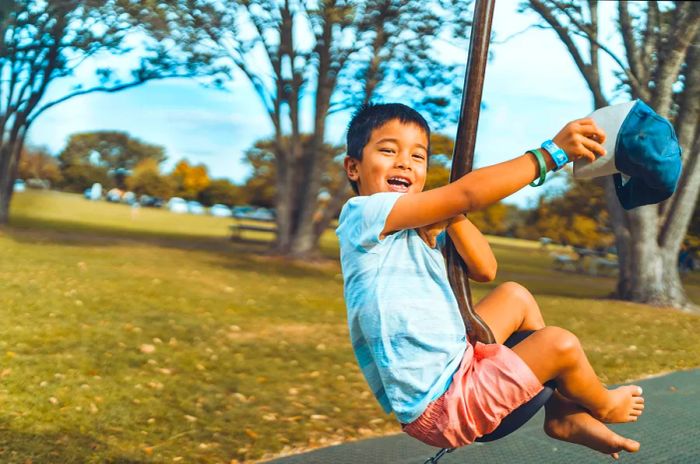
pixel 463 158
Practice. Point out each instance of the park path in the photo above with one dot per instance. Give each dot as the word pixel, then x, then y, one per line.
pixel 669 431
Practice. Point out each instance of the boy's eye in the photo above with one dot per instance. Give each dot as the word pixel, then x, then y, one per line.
pixel 418 156
pixel 386 150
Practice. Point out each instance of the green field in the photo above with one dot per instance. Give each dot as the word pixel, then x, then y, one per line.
pixel 152 338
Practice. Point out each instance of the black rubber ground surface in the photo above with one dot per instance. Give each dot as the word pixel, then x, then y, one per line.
pixel 669 431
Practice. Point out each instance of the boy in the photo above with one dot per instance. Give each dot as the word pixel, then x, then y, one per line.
pixel 405 326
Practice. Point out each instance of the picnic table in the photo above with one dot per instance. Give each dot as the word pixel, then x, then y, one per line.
pixel 242 224
pixel 586 261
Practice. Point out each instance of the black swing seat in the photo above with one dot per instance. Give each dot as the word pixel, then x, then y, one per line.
pixel 520 415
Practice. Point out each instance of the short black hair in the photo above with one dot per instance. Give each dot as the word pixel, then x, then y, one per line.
pixel 374 115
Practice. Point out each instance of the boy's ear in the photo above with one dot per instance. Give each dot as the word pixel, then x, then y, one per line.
pixel 351 166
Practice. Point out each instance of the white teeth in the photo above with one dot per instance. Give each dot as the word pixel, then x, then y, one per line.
pixel 403 182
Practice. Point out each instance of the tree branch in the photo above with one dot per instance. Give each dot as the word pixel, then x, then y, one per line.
pixel 637 88
pixel 685 28
pixel 627 33
pixel 564 36
pixel 651 39
pixel 683 204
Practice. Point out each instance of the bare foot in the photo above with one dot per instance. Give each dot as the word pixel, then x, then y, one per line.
pixel 625 404
pixel 567 421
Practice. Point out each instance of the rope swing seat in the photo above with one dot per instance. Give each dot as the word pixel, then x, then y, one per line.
pixel 462 163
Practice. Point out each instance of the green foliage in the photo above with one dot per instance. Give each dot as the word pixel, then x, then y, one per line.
pixel 109 149
pixel 260 188
pixel 220 191
pixel 147 179
pixel 78 177
pixel 45 41
pixel 103 153
pixel 577 217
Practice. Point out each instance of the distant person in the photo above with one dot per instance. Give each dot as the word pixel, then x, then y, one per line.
pixel 405 325
pixel 686 262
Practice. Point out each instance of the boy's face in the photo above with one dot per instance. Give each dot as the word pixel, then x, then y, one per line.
pixel 394 160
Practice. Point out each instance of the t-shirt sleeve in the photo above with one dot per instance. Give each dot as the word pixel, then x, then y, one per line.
pixel 363 218
pixel 441 239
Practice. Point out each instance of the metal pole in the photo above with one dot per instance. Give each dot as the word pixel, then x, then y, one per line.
pixel 463 157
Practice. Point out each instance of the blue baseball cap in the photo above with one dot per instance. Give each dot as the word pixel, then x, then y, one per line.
pixel 643 154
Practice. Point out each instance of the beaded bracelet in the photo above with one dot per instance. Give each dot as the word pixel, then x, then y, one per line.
pixel 543 167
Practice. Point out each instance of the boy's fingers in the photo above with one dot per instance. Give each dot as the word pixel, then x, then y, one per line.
pixel 589 128
pixel 586 153
pixel 593 146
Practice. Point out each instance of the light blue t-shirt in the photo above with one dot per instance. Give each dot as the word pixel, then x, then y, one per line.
pixel 405 326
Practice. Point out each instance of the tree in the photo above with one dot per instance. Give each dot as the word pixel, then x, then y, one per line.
pixel 189 180
pixel 37 163
pixel 261 187
pixel 661 65
pixel 576 216
pixel 116 152
pixel 335 54
pixel 44 41
pixel 146 179
pixel 220 191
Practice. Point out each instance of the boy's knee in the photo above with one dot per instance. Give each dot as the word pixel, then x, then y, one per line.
pixel 518 291
pixel 565 345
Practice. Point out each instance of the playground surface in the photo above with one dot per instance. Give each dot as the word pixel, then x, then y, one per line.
pixel 668 431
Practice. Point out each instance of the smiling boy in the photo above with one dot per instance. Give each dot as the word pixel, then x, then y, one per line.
pixel 405 327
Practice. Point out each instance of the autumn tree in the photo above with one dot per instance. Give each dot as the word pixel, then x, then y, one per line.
pixel 37 163
pixel 189 179
pixel 42 42
pixel 660 64
pixel 335 55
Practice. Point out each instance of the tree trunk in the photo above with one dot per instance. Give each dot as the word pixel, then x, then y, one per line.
pixel 647 238
pixel 6 182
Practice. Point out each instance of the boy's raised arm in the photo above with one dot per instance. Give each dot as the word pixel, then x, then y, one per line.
pixel 484 186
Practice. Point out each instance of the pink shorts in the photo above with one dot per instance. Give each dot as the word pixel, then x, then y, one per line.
pixel 490 383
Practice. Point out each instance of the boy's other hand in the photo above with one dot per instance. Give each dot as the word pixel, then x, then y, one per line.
pixel 581 138
pixel 430 232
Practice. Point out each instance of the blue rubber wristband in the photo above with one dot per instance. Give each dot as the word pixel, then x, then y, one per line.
pixel 558 155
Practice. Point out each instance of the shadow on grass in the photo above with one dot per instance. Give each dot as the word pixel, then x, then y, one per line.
pixel 58 447
pixel 248 254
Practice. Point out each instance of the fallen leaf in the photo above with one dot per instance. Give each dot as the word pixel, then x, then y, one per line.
pixel 147 349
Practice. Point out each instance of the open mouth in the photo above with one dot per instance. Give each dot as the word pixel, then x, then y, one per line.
pixel 398 184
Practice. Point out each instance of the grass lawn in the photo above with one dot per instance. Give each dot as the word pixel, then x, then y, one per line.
pixel 154 339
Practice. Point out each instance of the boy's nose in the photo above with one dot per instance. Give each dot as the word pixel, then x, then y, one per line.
pixel 403 161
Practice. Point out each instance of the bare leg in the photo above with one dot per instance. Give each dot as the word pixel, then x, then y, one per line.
pixel 509 308
pixel 554 353
pixel 567 421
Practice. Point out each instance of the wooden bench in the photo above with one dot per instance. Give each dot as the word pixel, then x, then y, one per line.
pixel 239 226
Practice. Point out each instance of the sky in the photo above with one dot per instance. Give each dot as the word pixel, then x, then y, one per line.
pixel 532 89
